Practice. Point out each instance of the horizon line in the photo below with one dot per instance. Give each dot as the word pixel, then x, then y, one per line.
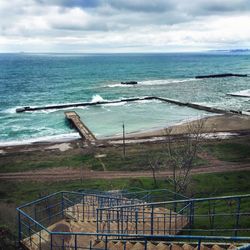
pixel 128 52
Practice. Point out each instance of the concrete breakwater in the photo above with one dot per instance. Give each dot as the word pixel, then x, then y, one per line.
pixel 197 106
pixel 83 130
pixel 83 104
pixel 238 95
pixel 176 102
pixel 220 75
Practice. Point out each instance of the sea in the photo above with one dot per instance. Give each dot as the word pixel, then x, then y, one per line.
pixel 32 80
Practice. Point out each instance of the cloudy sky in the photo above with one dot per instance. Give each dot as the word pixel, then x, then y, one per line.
pixel 123 25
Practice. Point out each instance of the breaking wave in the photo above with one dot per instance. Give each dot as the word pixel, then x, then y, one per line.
pixel 97 98
pixel 245 93
pixel 43 139
pixel 154 82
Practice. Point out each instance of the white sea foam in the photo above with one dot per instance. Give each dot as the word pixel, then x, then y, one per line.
pixel 10 110
pixel 154 82
pixel 97 98
pixel 47 111
pixel 120 102
pixel 165 81
pixel 245 92
pixel 121 85
pixel 44 139
pixel 116 104
pixel 148 101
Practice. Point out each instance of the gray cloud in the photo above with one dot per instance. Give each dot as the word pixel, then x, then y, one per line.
pixel 224 6
pixel 119 14
pixel 128 24
pixel 192 8
pixel 71 3
pixel 213 7
pixel 69 26
pixel 142 6
pixel 113 14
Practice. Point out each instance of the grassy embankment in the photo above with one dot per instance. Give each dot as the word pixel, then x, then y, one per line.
pixel 137 157
pixel 203 185
pixel 13 194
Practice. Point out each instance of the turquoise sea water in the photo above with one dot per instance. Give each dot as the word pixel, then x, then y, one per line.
pixel 45 79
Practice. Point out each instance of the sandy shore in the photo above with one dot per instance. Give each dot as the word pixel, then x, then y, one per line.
pixel 238 124
pixel 213 124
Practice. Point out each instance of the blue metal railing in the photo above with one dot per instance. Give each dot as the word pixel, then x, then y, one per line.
pixel 118 218
pixel 215 216
pixel 154 195
pixel 50 209
pixel 78 239
pixel 139 194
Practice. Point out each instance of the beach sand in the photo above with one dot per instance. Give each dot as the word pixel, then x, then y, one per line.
pixel 236 124
pixel 213 124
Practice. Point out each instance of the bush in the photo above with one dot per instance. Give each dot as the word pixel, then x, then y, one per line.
pixel 7 239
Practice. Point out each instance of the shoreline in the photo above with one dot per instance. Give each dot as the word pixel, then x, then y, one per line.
pixel 43 140
pixel 223 125
pixel 228 123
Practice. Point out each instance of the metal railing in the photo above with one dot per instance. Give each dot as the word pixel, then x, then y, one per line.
pixel 118 218
pixel 44 212
pixel 140 194
pixel 221 216
pixel 154 195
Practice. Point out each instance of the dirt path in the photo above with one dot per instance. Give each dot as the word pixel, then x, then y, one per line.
pixel 63 174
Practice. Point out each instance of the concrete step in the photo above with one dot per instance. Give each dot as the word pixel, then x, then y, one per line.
pixel 119 245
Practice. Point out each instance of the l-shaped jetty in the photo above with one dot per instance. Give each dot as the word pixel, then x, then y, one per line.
pixel 163 99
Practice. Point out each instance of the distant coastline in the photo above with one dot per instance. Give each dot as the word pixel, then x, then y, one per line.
pixel 232 50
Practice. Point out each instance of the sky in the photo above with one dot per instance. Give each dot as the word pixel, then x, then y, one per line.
pixel 92 26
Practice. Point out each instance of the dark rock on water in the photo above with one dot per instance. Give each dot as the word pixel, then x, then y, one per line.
pixel 19 110
pixel 130 83
pixel 220 75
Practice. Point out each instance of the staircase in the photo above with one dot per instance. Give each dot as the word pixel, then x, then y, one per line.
pixel 140 245
pixel 88 221
pixel 142 221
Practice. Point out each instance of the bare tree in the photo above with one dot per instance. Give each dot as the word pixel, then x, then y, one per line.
pixel 154 164
pixel 182 154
